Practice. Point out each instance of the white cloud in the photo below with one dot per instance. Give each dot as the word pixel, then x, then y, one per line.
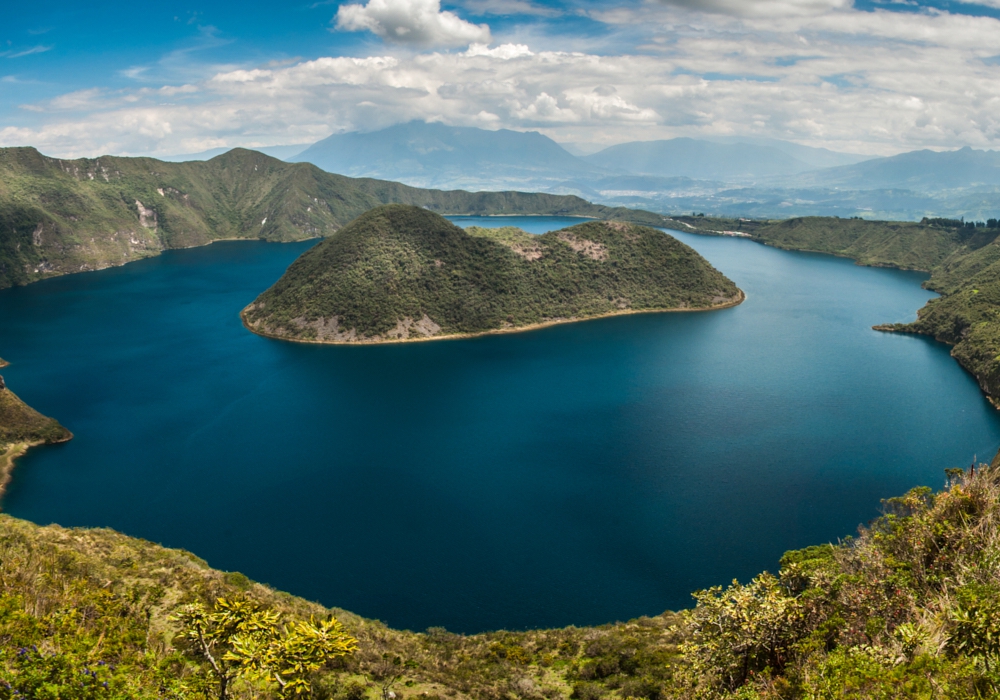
pixel 763 8
pixel 504 51
pixel 414 22
pixel 871 82
pixel 26 52
pixel 82 99
pixel 995 4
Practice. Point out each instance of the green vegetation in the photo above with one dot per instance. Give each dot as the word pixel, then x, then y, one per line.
pixel 908 609
pixel 240 639
pixel 63 216
pixel 21 424
pixel 399 271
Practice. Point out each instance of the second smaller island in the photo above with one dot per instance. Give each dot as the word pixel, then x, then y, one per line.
pixel 402 273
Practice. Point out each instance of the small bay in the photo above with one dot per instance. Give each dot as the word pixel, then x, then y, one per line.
pixel 577 474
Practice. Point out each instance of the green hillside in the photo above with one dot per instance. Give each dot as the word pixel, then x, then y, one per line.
pixel 63 216
pixel 908 609
pixel 19 423
pixel 400 272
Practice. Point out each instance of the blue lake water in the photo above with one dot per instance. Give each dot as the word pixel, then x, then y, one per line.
pixel 578 474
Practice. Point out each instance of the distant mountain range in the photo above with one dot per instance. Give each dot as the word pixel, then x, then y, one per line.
pixel 696 159
pixel 742 176
pixel 435 155
pixel 923 171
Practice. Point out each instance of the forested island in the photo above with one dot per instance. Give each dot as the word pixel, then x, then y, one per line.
pixel 401 273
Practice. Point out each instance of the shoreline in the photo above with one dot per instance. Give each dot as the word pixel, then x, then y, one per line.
pixel 7 458
pixel 496 331
pixel 160 251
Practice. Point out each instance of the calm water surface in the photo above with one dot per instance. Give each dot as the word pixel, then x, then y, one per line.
pixel 578 474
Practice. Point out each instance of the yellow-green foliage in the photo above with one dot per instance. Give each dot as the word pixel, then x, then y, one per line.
pixel 907 610
pixel 240 639
pixel 75 603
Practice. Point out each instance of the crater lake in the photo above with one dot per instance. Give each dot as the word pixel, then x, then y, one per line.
pixel 578 474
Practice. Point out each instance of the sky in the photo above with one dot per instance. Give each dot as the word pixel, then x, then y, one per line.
pixel 861 76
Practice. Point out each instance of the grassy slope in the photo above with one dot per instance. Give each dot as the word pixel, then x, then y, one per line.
pixel 400 262
pixel 62 216
pixel 899 612
pixel 19 423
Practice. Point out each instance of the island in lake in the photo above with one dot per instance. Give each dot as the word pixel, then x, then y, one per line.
pixel 400 273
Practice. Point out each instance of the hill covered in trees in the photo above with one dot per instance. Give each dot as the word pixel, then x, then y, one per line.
pixel 910 608
pixel 401 272
pixel 63 216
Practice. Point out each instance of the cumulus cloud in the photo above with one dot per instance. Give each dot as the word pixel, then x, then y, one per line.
pixel 763 8
pixel 414 22
pixel 870 82
pixel 505 51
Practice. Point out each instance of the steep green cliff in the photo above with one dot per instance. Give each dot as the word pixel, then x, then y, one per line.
pixel 63 216
pixel 400 272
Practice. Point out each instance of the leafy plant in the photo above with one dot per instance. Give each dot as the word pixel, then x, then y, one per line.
pixel 241 639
